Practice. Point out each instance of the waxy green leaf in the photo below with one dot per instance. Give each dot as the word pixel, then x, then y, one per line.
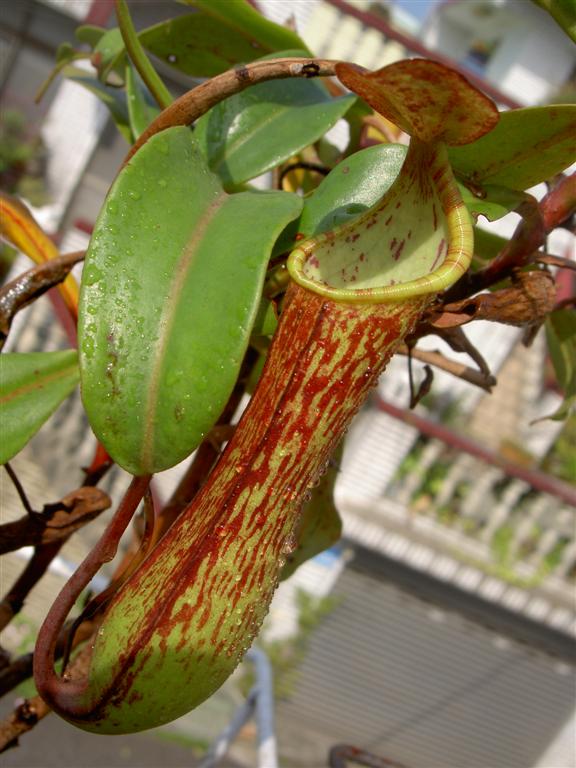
pixel 171 288
pixel 90 34
pixel 266 319
pixel 487 245
pixel 109 53
pixel 564 13
pixel 353 186
pixel 561 338
pixel 493 203
pixel 359 181
pixel 32 386
pixel 142 108
pixel 216 37
pixel 527 146
pixel 255 130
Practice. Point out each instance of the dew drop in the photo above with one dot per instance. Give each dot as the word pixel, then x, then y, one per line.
pixel 174 376
pixel 134 194
pixel 91 275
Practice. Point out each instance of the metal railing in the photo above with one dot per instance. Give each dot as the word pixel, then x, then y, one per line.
pixel 414 47
pixel 515 522
pixel 259 704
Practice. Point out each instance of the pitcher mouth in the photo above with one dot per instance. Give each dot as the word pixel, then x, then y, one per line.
pixel 417 240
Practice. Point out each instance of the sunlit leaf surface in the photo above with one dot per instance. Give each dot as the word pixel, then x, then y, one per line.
pixel 32 386
pixel 171 288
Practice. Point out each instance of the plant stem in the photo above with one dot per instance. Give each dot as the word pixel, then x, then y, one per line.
pixel 31 285
pixel 461 371
pixel 196 102
pixel 40 93
pixel 139 58
pixel 103 552
pixel 19 488
pixel 23 719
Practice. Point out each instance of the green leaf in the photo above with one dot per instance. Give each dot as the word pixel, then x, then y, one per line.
pixel 241 16
pixel 90 34
pixel 561 334
pixel 216 37
pixel 65 53
pixel 561 338
pixel 113 98
pixel 495 201
pixel 487 245
pixel 563 12
pixel 320 525
pixel 109 54
pixel 353 186
pixel 141 104
pixel 527 146
pixel 266 320
pixel 255 130
pixel 170 291
pixel 32 386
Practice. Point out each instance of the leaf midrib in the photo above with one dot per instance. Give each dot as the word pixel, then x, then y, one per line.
pixel 230 148
pixel 488 174
pixel 166 324
pixel 38 383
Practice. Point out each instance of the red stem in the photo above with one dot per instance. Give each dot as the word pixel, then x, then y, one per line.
pixel 103 552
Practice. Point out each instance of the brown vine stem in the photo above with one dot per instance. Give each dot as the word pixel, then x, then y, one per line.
pixel 31 284
pixel 103 552
pixel 521 249
pixel 464 372
pixel 23 719
pixel 199 100
pixel 560 203
pixel 35 568
pixel 538 219
pixel 19 489
pixel 557 261
pixel 56 521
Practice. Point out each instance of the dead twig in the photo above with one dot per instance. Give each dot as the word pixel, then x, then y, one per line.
pixel 56 521
pixel 36 567
pixel 556 261
pixel 30 285
pixel 23 719
pixel 527 302
pixel 520 250
pixel 47 531
pixel 461 371
pixel 19 488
